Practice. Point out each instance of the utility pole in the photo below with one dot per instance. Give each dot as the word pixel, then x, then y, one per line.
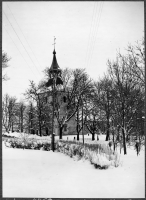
pixel 52 135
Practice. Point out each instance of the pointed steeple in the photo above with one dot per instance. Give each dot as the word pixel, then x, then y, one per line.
pixel 54 67
pixel 54 71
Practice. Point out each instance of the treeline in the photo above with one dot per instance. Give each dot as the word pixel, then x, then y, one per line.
pixel 22 117
pixel 113 105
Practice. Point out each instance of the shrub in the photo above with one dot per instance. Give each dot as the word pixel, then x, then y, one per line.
pixel 27 144
pixel 101 167
pixel 101 156
pixel 46 146
pixel 116 161
pixel 7 136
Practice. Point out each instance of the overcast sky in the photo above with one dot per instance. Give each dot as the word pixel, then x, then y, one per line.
pixel 87 35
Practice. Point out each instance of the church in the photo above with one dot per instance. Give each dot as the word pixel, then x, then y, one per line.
pixel 60 100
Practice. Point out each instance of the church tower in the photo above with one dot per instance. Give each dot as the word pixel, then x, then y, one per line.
pixel 59 100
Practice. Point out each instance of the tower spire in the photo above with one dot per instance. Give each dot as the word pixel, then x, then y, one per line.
pixel 54 43
pixel 54 71
pixel 54 67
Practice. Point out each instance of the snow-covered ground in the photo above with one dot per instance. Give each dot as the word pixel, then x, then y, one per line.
pixel 47 174
pixel 87 137
pixel 17 134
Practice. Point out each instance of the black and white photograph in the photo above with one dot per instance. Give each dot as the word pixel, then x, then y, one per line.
pixel 73 99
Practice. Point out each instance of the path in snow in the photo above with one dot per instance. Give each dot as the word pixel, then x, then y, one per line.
pixel 43 174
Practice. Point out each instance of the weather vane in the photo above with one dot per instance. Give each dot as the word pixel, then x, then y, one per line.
pixel 54 42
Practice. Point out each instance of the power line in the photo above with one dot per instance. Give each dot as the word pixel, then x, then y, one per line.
pixel 93 32
pixel 90 30
pixel 94 40
pixel 19 39
pixel 95 29
pixel 94 35
pixel 23 34
pixel 17 48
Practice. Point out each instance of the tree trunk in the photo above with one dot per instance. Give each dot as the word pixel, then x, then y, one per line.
pixel 78 126
pixel 40 129
pixel 118 135
pixel 78 138
pixel 114 141
pixel 21 128
pixel 47 131
pixel 120 147
pixel 21 118
pixel 78 132
pixel 107 113
pixel 123 131
pixel 9 124
pixel 12 128
pixel 6 128
pixel 60 132
pixel 82 124
pixel 107 135
pixel 93 136
pixel 124 142
pixel 107 132
pixel 21 124
pixel 114 146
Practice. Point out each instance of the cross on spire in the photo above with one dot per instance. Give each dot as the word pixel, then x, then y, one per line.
pixel 54 42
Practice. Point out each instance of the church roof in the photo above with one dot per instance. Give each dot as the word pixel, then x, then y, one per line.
pixel 54 67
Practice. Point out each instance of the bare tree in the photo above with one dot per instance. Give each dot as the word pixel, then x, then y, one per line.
pixel 91 121
pixel 103 99
pixel 76 87
pixel 5 60
pixel 9 112
pixel 20 113
pixel 5 116
pixel 30 118
pixel 125 97
pixel 33 93
pixel 135 62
